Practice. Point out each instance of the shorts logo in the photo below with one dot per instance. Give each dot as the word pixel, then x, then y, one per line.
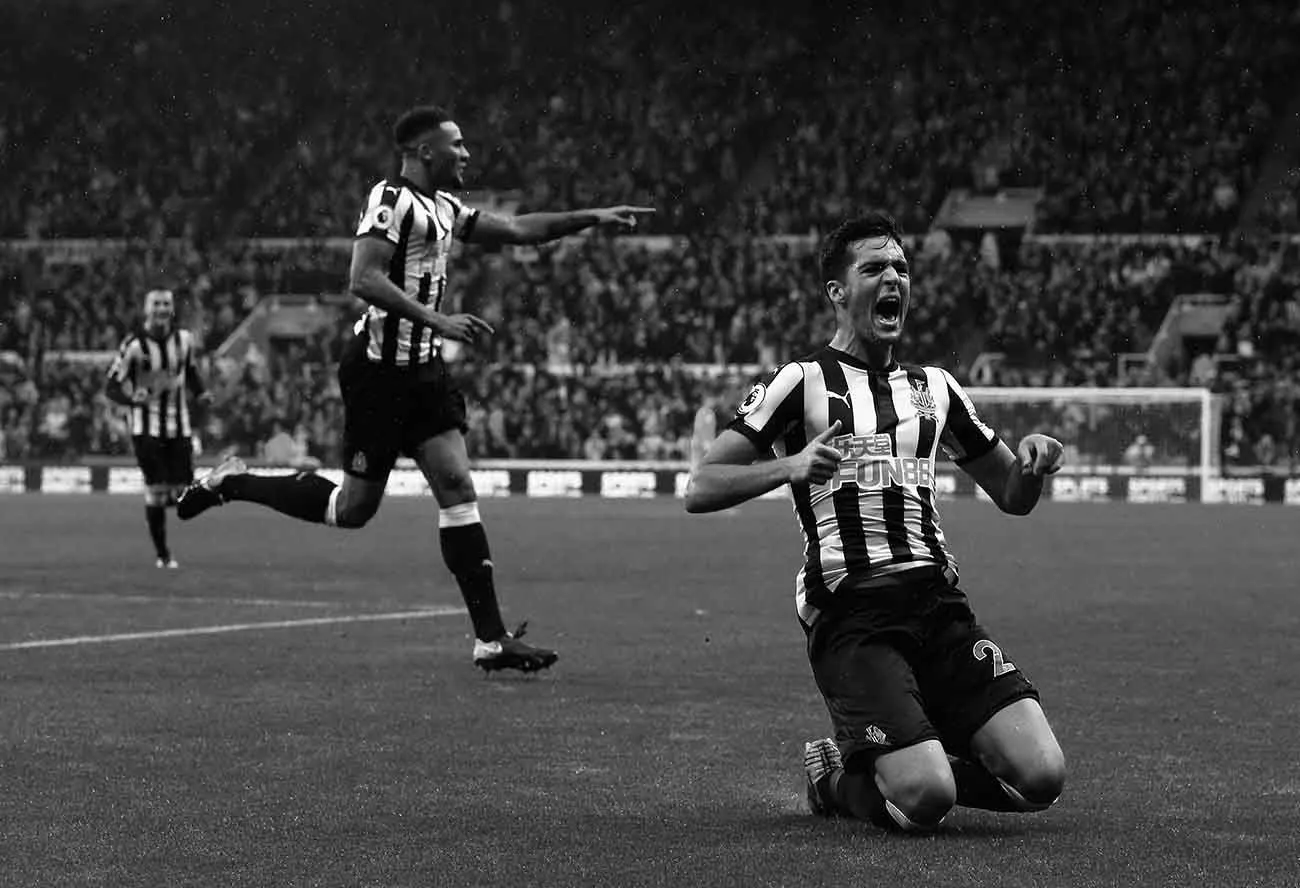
pixel 359 463
pixel 873 734
pixel 753 399
pixel 922 399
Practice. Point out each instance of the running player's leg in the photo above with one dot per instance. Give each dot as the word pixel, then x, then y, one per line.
pixel 895 772
pixel 302 495
pixel 1006 757
pixel 372 435
pixel 171 469
pixel 156 498
pixel 310 497
pixel 444 460
pixel 180 467
pixel 149 457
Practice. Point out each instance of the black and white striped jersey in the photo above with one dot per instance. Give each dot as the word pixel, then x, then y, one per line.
pixel 421 227
pixel 878 514
pixel 162 366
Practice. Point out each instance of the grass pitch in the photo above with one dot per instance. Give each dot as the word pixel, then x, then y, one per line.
pixel 363 748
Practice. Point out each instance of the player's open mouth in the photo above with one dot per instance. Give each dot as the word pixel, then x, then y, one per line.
pixel 889 309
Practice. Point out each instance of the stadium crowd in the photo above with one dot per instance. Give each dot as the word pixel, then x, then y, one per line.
pixel 596 339
pixel 1142 119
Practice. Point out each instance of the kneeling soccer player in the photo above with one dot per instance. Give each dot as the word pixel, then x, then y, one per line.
pixel 929 711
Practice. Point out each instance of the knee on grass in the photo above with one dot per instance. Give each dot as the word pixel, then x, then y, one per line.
pixel 922 800
pixel 1035 788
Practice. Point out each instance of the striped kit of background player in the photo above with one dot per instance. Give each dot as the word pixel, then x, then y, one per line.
pixel 161 367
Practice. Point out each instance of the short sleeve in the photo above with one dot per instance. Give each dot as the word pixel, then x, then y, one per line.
pixel 123 367
pixel 463 218
pixel 379 219
pixel 771 407
pixel 965 436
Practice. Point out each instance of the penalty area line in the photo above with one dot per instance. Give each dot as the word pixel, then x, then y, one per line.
pixel 422 614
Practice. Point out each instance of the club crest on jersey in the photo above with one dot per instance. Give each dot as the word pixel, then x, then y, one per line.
pixel 753 399
pixel 359 463
pixel 922 399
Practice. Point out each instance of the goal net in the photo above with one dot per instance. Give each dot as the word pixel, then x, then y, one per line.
pixel 1147 430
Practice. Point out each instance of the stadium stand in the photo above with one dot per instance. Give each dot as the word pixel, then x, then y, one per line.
pixel 166 170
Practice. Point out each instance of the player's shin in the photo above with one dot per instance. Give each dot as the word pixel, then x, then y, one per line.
pixel 305 496
pixel 465 550
pixel 155 515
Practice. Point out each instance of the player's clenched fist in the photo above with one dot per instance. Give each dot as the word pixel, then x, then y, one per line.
pixel 1040 455
pixel 816 463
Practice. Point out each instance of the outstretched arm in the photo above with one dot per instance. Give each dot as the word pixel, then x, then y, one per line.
pixel 729 476
pixel 1015 480
pixel 537 228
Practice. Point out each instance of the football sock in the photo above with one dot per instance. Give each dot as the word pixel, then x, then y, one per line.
pixel 978 788
pixel 856 794
pixel 156 516
pixel 465 550
pixel 305 496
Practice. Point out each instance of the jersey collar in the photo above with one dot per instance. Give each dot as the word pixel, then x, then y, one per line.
pixel 857 363
pixel 407 183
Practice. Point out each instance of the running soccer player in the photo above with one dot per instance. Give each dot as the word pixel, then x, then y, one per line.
pixel 929 711
pixel 398 397
pixel 151 376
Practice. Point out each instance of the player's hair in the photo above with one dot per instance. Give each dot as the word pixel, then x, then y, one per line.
pixel 417 122
pixel 835 249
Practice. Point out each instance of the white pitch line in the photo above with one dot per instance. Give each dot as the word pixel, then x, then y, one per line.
pixel 173 599
pixel 424 614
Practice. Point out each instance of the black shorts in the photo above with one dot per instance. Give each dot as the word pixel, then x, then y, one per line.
pixel 167 461
pixel 901 659
pixel 390 411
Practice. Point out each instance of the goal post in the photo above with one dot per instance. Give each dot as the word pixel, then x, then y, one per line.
pixel 1173 431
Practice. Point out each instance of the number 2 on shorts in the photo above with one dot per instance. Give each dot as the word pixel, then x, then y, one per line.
pixel 984 648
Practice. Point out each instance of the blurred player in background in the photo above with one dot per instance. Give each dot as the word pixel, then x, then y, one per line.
pixel 154 376
pixel 928 710
pixel 398 397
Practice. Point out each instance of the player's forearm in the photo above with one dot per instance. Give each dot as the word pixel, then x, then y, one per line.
pixel 1021 493
pixel 114 392
pixel 717 486
pixel 379 291
pixel 537 228
pixel 194 382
